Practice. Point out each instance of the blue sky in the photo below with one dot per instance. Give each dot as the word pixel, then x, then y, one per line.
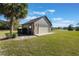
pixel 59 14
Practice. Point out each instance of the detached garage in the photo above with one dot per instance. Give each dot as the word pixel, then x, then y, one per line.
pixel 39 25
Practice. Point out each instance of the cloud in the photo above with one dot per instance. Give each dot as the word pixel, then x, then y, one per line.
pixel 43 12
pixel 51 10
pixel 61 22
pixel 39 13
pixel 57 19
pixel 31 17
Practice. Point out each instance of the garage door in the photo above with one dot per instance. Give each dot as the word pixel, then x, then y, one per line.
pixel 43 30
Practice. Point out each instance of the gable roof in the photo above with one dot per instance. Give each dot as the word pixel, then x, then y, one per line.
pixel 36 19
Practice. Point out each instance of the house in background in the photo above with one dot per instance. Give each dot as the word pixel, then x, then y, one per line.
pixel 39 25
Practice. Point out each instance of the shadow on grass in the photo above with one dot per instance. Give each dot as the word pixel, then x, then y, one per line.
pixel 6 38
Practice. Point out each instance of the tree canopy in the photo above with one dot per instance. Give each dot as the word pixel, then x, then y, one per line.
pixel 70 27
pixel 17 10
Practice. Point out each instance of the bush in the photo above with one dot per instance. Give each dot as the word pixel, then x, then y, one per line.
pixel 10 36
pixel 7 35
pixel 14 35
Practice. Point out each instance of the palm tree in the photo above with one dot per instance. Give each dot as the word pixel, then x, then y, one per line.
pixel 13 12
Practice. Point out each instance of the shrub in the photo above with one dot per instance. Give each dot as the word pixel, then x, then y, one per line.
pixel 70 28
pixel 11 36
pixel 77 28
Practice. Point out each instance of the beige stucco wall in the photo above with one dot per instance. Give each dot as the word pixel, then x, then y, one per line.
pixel 41 26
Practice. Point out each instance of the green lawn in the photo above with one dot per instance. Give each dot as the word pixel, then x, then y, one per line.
pixel 3 32
pixel 59 44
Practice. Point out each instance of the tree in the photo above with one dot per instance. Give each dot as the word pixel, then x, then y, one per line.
pixel 77 27
pixel 70 28
pixel 13 12
pixel 16 24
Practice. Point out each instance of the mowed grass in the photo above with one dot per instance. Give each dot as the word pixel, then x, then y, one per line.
pixel 3 32
pixel 62 43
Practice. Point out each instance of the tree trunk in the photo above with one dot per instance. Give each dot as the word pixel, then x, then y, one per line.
pixel 11 26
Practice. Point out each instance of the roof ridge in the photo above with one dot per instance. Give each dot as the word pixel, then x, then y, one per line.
pixel 34 20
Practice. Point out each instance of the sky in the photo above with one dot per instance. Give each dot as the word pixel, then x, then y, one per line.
pixel 60 14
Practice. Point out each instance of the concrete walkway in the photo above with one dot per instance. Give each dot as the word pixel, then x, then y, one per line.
pixel 2 36
pixel 45 34
pixel 25 37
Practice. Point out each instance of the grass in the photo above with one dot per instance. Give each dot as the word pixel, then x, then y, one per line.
pixel 62 43
pixel 3 32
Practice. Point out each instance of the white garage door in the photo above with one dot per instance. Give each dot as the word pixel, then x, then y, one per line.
pixel 43 30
